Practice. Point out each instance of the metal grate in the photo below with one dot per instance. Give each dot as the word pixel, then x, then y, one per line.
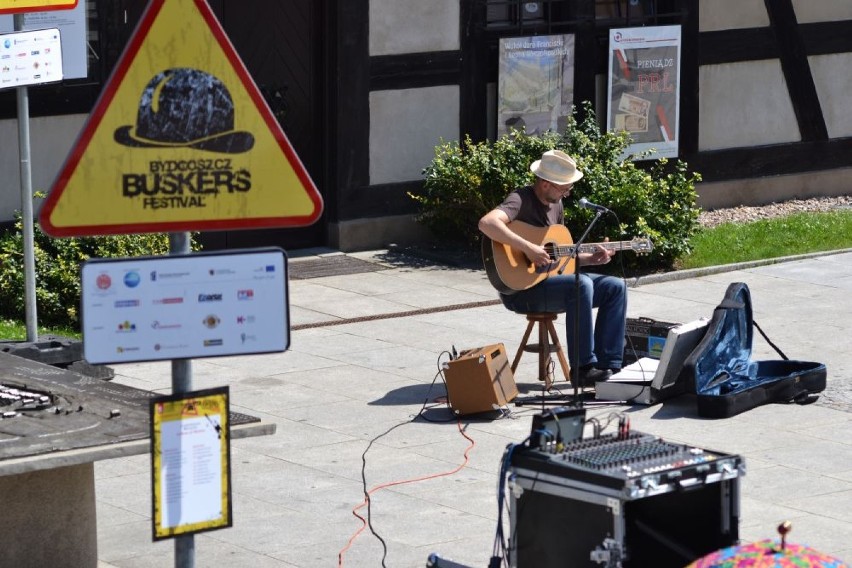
pixel 337 265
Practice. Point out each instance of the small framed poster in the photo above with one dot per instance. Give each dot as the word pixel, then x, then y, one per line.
pixel 190 463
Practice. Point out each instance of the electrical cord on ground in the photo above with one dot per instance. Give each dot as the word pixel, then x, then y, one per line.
pixel 646 385
pixel 367 502
pixel 446 401
pixel 500 550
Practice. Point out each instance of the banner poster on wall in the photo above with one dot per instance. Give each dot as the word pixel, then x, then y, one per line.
pixel 644 86
pixel 536 83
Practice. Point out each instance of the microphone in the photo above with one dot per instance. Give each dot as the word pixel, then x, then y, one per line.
pixel 586 204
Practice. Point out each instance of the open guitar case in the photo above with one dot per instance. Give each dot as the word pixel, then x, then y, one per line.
pixel 726 379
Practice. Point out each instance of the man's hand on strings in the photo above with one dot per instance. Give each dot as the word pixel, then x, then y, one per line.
pixel 601 256
pixel 538 255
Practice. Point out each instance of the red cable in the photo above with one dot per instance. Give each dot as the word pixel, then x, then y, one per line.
pixel 391 484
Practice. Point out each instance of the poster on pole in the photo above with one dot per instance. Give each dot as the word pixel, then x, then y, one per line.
pixel 190 463
pixel 30 58
pixel 535 88
pixel 72 25
pixel 207 304
pixel 644 88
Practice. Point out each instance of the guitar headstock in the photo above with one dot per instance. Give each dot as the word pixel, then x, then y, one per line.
pixel 641 245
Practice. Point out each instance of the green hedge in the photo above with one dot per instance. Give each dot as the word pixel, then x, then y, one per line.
pixel 58 270
pixel 651 199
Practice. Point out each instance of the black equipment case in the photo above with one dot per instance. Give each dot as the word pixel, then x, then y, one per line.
pixel 727 381
pixel 627 500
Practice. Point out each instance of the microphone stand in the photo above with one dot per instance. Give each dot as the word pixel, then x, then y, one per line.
pixel 575 370
pixel 576 347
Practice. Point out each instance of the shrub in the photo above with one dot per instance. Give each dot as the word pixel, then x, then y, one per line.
pixel 466 180
pixel 58 270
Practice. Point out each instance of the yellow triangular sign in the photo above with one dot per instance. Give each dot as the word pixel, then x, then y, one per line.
pixel 18 6
pixel 180 140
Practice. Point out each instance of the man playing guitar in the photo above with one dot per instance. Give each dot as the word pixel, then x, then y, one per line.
pixel 601 345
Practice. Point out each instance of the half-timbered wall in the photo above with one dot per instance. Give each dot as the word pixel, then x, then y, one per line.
pixel 774 78
pixel 765 86
pixel 764 93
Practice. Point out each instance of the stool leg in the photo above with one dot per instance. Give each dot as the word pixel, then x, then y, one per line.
pixel 521 348
pixel 543 354
pixel 560 353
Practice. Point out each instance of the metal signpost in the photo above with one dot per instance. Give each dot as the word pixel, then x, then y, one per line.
pixel 37 57
pixel 27 204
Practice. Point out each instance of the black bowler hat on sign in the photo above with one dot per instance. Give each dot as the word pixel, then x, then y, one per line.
pixel 186 108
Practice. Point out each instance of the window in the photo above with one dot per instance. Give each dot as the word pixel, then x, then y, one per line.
pixel 505 14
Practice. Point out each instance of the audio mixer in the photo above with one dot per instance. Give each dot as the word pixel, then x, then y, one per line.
pixel 635 463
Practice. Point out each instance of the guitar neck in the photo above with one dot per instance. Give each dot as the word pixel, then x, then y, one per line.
pixel 569 250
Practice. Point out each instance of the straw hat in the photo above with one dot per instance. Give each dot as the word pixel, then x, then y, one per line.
pixel 557 167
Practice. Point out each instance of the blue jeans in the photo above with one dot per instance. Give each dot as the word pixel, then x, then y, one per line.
pixel 601 345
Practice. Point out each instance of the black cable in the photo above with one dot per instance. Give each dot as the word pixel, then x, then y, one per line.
pixel 420 414
pixel 367 492
pixel 439 373
pixel 559 439
pixel 599 428
pixel 385 433
pixel 646 385
pixel 500 548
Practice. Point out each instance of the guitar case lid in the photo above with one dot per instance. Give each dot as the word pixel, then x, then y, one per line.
pixel 725 378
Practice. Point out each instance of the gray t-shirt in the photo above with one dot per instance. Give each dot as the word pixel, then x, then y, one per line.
pixel 523 205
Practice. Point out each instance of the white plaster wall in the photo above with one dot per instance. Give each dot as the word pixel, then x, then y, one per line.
pixel 808 11
pixel 413 26
pixel 51 139
pixel 715 15
pixel 833 77
pixel 744 104
pixel 405 127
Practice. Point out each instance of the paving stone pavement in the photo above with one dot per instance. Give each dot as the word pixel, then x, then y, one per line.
pixel 345 395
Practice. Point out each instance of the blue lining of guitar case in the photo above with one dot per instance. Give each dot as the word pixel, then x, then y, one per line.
pixel 726 379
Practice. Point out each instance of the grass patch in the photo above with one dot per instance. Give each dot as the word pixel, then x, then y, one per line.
pixel 770 238
pixel 11 330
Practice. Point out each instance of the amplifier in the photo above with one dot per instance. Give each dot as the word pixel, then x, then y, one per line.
pixel 629 500
pixel 480 379
pixel 644 337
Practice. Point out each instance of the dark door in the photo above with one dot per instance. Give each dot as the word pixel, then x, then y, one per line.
pixel 280 44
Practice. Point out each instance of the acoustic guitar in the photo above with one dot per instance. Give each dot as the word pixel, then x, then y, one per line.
pixel 510 271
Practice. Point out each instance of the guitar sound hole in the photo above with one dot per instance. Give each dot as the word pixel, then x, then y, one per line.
pixel 551 251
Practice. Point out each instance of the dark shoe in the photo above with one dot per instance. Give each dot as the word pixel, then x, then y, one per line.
pixel 589 375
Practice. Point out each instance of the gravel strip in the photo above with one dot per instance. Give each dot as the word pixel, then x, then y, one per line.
pixel 745 214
